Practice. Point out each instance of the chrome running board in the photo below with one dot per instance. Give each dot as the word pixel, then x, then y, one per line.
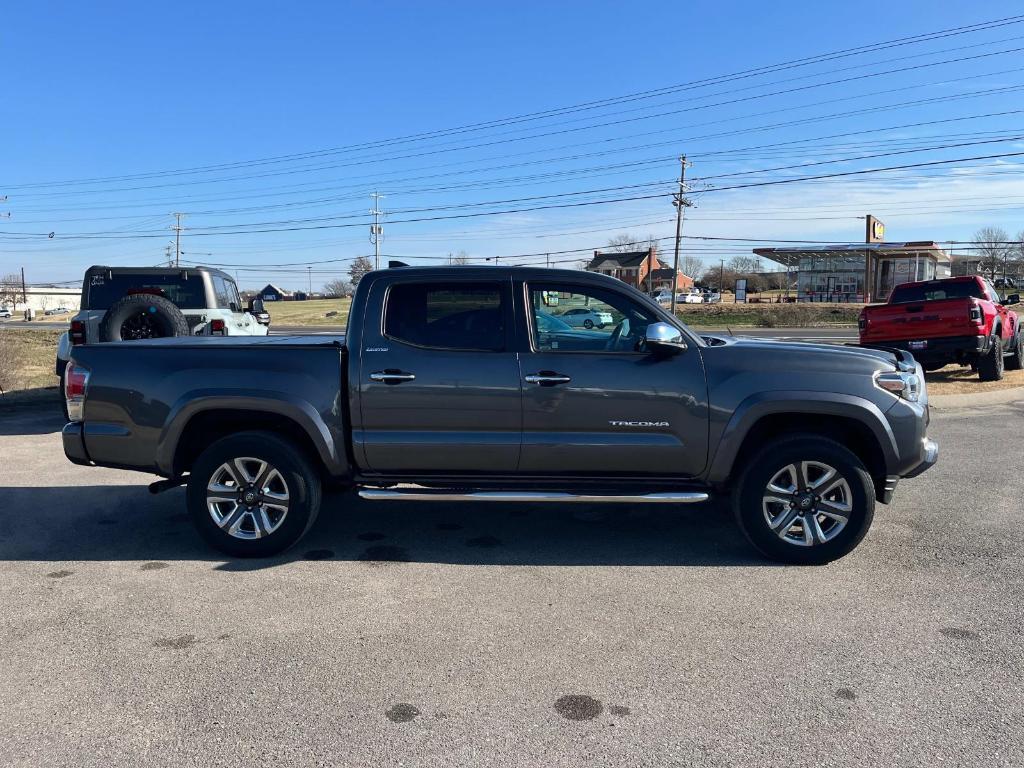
pixel 440 494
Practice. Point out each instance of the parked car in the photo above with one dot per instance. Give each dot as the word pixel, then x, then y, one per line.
pixel 693 297
pixel 131 303
pixel 663 297
pixel 586 318
pixel 444 389
pixel 5 313
pixel 57 311
pixel 712 297
pixel 953 320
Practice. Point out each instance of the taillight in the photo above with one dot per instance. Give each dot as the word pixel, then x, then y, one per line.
pixel 76 382
pixel 976 314
pixel 77 332
pixel 862 322
pixel 217 327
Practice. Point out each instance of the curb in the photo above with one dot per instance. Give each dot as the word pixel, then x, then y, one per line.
pixel 971 399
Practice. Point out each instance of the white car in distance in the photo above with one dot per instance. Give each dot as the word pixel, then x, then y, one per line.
pixel 586 318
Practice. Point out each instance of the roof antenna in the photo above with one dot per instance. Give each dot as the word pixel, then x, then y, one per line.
pixel 729 330
pixel 394 264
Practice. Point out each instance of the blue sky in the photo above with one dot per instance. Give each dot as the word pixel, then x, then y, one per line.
pixel 140 89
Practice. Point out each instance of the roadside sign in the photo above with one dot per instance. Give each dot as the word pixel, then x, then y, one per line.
pixel 740 291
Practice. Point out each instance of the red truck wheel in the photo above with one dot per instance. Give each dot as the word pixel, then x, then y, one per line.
pixel 1015 360
pixel 990 367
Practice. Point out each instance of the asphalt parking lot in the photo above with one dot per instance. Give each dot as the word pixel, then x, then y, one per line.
pixel 440 635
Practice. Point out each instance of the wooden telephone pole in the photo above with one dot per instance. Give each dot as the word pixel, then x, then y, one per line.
pixel 679 201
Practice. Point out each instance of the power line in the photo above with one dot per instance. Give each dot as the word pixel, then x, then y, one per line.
pixel 584 106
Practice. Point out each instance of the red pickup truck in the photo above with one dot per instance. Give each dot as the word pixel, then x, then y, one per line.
pixel 956 320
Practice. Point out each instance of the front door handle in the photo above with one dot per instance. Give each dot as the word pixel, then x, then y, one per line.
pixel 392 376
pixel 547 378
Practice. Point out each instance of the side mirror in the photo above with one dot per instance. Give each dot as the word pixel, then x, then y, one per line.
pixel 256 306
pixel 664 337
pixel 1013 298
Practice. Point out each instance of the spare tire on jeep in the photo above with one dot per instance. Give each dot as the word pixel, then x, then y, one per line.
pixel 142 316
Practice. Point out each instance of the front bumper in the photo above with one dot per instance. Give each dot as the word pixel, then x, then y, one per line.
pixel 929 455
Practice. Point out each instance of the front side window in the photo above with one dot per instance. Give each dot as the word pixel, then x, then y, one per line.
pixel 575 319
pixel 462 316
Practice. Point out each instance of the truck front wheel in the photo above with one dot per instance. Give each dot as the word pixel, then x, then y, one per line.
pixel 990 367
pixel 253 494
pixel 805 500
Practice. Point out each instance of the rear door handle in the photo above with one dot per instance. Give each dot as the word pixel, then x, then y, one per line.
pixel 392 376
pixel 547 378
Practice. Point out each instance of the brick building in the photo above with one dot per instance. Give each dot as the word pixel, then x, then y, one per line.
pixel 640 269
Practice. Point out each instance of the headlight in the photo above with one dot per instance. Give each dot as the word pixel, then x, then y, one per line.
pixel 901 384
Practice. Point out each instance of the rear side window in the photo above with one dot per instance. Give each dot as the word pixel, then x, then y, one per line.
pixel 468 316
pixel 186 292
pixel 966 289
pixel 225 293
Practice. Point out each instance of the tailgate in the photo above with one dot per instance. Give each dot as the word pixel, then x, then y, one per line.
pixel 918 320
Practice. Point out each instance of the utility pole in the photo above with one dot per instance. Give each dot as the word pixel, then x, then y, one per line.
pixel 721 284
pixel 309 274
pixel 24 290
pixel 547 259
pixel 177 238
pixel 376 229
pixel 680 202
pixel 167 252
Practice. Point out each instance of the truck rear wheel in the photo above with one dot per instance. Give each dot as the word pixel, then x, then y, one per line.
pixel 990 367
pixel 804 499
pixel 253 494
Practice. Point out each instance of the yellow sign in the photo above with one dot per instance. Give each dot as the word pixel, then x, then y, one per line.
pixel 875 230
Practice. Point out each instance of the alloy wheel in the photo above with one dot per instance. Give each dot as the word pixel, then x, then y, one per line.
pixel 247 498
pixel 807 503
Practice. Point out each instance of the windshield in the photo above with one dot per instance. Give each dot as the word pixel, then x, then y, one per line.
pixel 966 289
pixel 186 290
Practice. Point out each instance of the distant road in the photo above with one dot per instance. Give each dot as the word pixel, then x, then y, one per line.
pixel 819 335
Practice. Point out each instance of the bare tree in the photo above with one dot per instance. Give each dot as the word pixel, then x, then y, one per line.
pixel 460 258
pixel 337 288
pixel 626 242
pixel 691 266
pixel 991 249
pixel 359 268
pixel 10 290
pixel 745 264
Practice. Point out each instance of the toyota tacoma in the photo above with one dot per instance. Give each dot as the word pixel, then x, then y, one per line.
pixel 453 384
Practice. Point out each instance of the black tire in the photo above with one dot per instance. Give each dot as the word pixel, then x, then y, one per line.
pixel 773 458
pixel 301 483
pixel 588 323
pixel 1015 360
pixel 990 367
pixel 141 315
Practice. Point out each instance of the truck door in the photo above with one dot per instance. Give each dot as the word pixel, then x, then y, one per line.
pixel 595 402
pixel 439 386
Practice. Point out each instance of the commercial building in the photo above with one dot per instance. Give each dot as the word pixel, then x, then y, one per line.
pixel 858 273
pixel 640 269
pixel 40 298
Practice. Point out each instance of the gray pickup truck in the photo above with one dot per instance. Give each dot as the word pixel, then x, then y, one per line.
pixel 463 383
